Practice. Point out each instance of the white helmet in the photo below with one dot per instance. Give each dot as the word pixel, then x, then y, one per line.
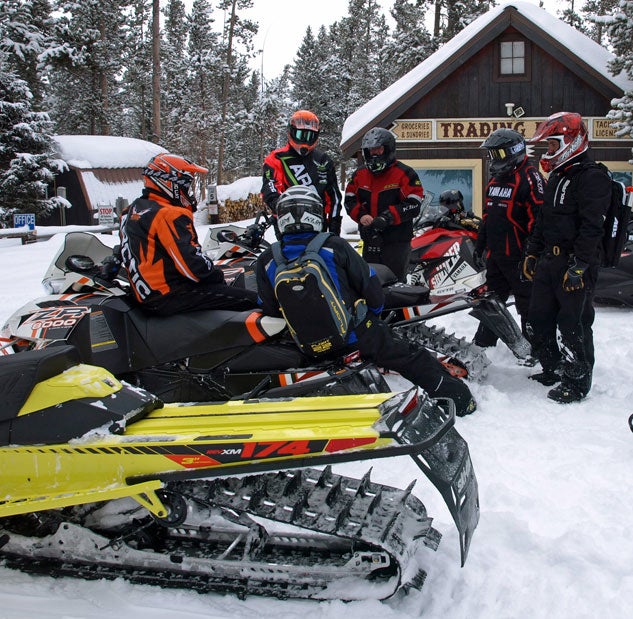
pixel 299 209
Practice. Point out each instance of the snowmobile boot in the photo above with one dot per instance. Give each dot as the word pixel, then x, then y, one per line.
pixel 546 377
pixel 566 393
pixel 456 390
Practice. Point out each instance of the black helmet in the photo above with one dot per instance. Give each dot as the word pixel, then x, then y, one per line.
pixel 453 200
pixel 375 138
pixel 299 209
pixel 506 149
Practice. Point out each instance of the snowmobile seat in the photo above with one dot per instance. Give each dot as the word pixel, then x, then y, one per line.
pixel 19 373
pixel 204 332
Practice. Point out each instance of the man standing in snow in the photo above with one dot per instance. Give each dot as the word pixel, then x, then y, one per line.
pixel 384 197
pixel 563 257
pixel 513 198
pixel 160 249
pixel 299 162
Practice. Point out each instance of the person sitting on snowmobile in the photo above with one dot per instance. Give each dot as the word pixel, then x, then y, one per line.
pixel 300 219
pixel 455 217
pixel 160 250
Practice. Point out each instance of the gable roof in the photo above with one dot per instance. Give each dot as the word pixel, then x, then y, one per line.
pixel 578 53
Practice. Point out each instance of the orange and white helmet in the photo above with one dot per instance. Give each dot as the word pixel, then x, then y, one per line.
pixel 174 178
pixel 569 130
pixel 303 131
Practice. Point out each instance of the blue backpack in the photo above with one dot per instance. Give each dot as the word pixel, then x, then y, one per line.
pixel 316 314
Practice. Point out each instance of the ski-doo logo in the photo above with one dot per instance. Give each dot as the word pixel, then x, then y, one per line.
pixel 443 270
pixel 57 317
pixel 464 475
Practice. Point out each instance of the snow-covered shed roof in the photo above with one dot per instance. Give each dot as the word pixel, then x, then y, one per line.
pixel 88 152
pixel 527 18
pixel 108 167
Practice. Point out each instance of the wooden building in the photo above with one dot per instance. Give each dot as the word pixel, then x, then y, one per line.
pixel 99 170
pixel 512 67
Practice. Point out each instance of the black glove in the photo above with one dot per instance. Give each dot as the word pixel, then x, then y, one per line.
pixel 478 259
pixel 528 268
pixel 109 268
pixel 572 280
pixel 382 221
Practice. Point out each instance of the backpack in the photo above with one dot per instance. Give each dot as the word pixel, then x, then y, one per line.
pixel 317 316
pixel 616 221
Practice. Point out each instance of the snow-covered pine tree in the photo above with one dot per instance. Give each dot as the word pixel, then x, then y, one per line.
pixel 86 64
pixel 410 42
pixel 27 161
pixel 620 31
pixel 175 78
pixel 200 114
pixel 452 16
pixel 24 35
pixel 134 98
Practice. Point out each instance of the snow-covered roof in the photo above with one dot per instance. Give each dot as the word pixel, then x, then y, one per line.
pixel 88 152
pixel 586 50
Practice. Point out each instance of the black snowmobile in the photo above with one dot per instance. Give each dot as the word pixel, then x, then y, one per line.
pixel 196 356
pixel 101 480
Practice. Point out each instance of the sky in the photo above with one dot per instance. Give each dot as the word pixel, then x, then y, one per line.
pixel 282 26
pixel 554 537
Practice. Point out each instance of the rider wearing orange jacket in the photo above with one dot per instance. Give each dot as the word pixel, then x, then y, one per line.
pixel 160 249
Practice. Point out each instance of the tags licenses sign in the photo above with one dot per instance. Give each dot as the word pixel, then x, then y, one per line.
pixel 478 129
pixel 106 215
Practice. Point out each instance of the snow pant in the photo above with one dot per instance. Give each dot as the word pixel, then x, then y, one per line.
pixel 572 313
pixel 377 344
pixel 395 255
pixel 503 278
pixel 204 296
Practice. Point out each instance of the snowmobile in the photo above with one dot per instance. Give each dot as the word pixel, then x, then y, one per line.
pixel 442 279
pixel 615 284
pixel 100 479
pixel 195 356
pixel 442 259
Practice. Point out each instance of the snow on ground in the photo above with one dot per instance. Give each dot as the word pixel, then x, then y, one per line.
pixel 554 540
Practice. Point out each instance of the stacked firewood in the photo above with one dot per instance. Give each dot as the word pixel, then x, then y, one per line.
pixel 237 210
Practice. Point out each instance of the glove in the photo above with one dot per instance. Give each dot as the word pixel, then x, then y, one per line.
pixel 572 280
pixel 528 268
pixel 478 259
pixel 382 221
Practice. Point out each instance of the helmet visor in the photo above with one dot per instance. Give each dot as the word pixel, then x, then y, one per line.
pixel 304 136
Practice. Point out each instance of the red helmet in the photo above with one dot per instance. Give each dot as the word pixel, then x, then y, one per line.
pixel 303 131
pixel 569 130
pixel 173 177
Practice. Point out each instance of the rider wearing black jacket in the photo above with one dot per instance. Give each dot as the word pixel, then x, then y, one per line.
pixel 513 198
pixel 563 257
pixel 355 280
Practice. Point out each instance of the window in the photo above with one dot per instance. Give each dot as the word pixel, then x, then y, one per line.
pixel 512 58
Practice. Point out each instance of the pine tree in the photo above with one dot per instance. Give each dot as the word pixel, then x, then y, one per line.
pixel 452 16
pixel 620 31
pixel 27 163
pixel 174 76
pixel 25 35
pixel 86 65
pixel 411 42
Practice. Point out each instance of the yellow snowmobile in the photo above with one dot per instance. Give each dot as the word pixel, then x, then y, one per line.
pixel 99 479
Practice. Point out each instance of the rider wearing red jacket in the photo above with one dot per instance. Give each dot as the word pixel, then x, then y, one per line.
pixel 300 163
pixel 160 249
pixel 384 197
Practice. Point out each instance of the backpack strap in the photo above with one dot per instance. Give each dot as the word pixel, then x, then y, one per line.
pixel 317 242
pixel 278 256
